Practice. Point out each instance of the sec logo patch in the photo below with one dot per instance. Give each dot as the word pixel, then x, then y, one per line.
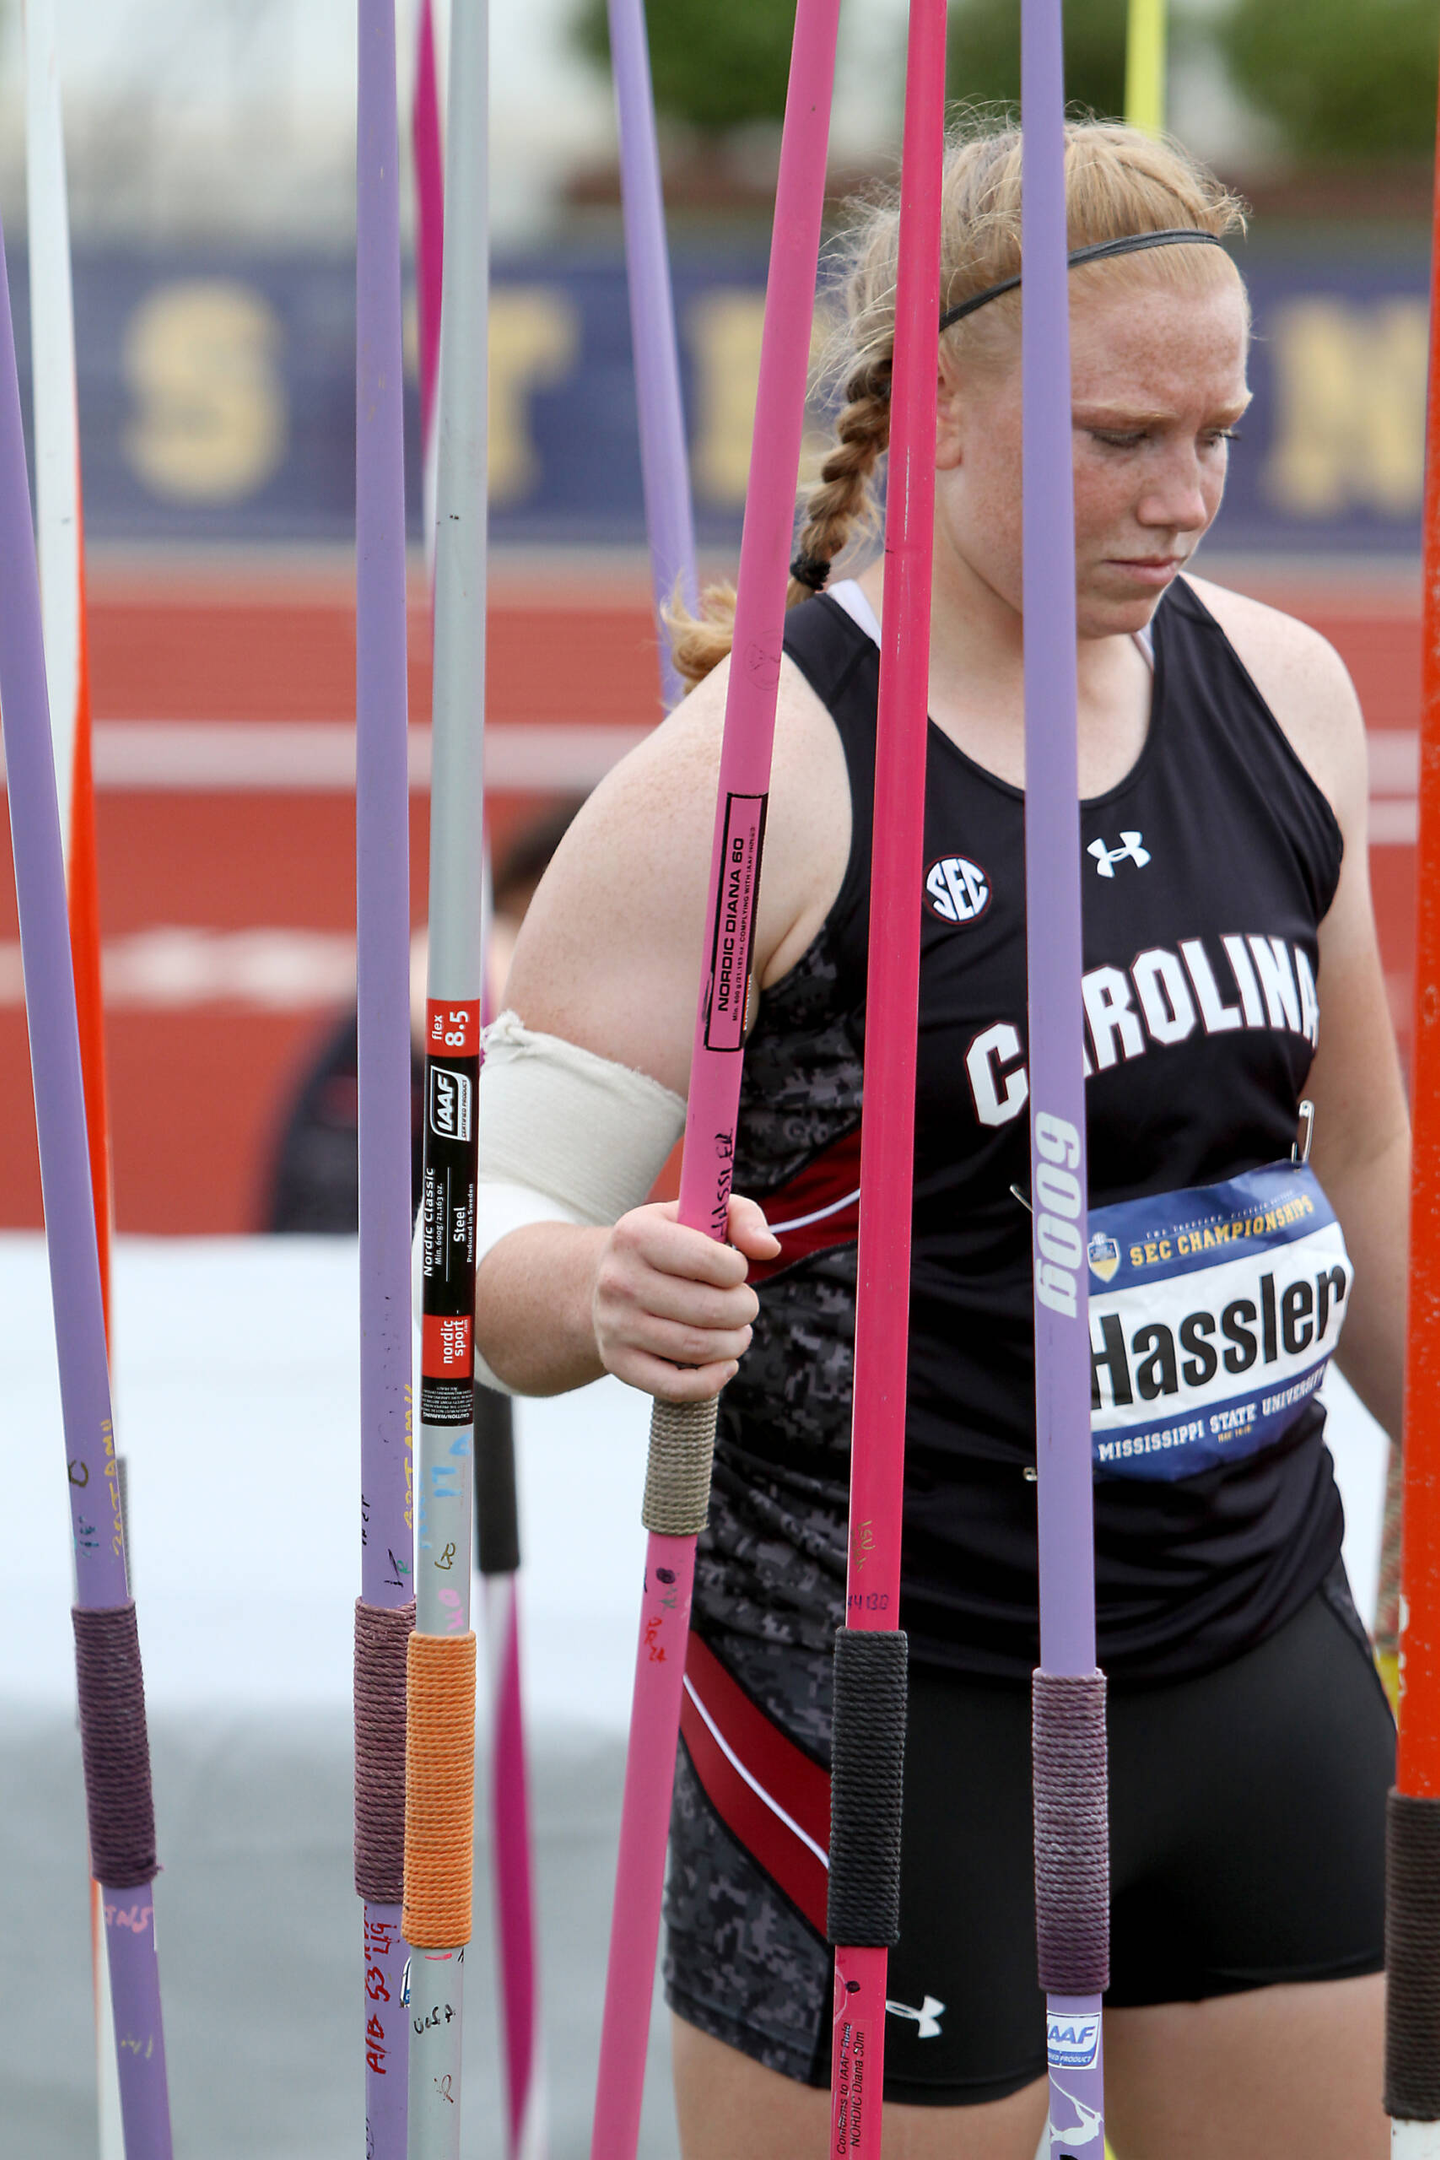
pixel 957 889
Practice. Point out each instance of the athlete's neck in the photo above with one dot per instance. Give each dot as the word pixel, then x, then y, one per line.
pixel 977 679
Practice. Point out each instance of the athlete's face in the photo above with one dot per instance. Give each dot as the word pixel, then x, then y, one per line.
pixel 1158 383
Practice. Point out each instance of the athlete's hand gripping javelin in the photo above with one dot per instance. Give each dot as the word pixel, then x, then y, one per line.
pixel 672 1309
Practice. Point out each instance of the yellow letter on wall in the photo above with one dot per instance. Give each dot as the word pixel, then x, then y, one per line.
pixel 1349 407
pixel 201 362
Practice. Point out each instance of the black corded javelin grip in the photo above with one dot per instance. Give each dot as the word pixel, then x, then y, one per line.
pixel 497 1513
pixel 867 1786
pixel 1412 1958
pixel 114 1746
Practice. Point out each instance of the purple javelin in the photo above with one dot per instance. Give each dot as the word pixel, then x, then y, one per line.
pixel 382 851
pixel 100 1576
pixel 1069 1699
pixel 382 842
pixel 664 465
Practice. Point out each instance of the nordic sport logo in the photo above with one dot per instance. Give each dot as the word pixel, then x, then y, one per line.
pixel 958 890
pixel 449 1103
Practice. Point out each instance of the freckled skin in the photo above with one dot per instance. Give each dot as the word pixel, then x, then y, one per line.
pixel 1157 380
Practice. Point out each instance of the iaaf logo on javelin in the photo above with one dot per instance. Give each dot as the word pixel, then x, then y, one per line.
pixel 1072 2042
pixel 450 1098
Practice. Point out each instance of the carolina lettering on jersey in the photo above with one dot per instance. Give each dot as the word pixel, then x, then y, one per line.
pixel 1199 1018
pixel 1211 985
pixel 1213 1316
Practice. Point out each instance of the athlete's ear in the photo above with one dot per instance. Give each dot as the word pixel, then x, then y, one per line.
pixel 949 420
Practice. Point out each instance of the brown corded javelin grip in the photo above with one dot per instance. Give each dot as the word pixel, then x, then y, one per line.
pixel 677 1470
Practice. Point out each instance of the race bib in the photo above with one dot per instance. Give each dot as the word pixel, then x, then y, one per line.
pixel 1213 1315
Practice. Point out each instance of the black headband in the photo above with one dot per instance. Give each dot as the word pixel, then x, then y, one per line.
pixel 1173 236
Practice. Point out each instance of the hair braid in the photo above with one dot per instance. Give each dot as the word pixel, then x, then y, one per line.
pixel 844 499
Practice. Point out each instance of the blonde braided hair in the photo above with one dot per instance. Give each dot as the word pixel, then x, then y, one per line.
pixel 1117 181
pixel 844 498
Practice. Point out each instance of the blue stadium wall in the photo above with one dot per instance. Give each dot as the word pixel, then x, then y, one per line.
pixel 217 398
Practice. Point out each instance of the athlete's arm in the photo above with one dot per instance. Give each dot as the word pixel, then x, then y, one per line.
pixel 609 958
pixel 1362 1132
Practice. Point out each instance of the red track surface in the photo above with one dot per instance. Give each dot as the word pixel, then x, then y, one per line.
pixel 197 1091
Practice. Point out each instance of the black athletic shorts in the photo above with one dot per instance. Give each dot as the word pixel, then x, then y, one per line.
pixel 1247 1831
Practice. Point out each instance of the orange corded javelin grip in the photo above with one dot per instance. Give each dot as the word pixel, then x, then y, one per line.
pixel 1412 1899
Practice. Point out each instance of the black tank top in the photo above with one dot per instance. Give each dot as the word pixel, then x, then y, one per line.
pixel 1206 873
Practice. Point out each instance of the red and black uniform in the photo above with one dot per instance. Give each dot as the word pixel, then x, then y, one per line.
pixel 1206 874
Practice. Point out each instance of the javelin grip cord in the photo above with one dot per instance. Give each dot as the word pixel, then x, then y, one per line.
pixel 867 1786
pixel 114 1746
pixel 382 1633
pixel 1072 1838
pixel 1412 1958
pixel 440 1791
pixel 497 1509
pixel 677 1472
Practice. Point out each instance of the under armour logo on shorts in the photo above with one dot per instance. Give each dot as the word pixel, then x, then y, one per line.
pixel 1129 850
pixel 927 2018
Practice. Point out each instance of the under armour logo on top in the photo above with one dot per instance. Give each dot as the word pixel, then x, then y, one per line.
pixel 927 2018
pixel 1129 850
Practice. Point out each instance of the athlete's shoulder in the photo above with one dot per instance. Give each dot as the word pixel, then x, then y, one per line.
pixel 1268 634
pixel 1303 681
pixel 680 757
pixel 829 646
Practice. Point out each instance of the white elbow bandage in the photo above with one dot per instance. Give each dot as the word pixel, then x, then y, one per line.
pixel 565 1136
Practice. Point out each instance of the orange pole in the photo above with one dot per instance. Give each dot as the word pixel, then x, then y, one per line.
pixel 1418 1765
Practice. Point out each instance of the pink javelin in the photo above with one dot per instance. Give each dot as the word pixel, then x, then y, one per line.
pixel 714 1095
pixel 887 1158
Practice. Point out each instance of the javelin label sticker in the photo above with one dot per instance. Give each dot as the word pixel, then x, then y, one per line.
pixel 452 1075
pixel 450 1103
pixel 452 1031
pixel 1213 1316
pixel 734 921
pixel 1072 2042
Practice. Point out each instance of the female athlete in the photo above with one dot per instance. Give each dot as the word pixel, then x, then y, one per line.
pixel 1226 905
